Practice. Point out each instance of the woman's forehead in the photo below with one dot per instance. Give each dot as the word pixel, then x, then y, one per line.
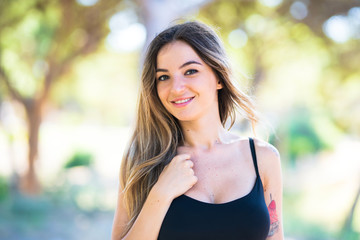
pixel 176 53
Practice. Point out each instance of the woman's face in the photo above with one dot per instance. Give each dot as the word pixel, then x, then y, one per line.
pixel 187 87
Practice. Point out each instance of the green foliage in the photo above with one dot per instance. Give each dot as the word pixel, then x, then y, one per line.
pixel 295 225
pixel 304 132
pixel 351 235
pixel 42 39
pixel 291 62
pixel 305 230
pixel 54 215
pixel 4 188
pixel 80 159
pixel 303 138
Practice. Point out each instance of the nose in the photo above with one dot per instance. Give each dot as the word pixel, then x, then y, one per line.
pixel 178 85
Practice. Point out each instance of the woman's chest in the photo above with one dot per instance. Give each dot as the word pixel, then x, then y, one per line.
pixel 243 218
pixel 221 179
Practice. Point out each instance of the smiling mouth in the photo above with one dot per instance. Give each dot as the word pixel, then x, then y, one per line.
pixel 183 100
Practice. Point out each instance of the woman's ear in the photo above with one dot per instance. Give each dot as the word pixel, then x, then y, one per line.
pixel 219 85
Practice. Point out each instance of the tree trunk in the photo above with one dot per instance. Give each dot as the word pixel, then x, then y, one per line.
pixel 157 15
pixel 29 182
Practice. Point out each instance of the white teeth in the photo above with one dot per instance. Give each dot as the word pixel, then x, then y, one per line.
pixel 184 100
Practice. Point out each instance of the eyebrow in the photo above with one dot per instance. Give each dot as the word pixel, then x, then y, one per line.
pixel 183 65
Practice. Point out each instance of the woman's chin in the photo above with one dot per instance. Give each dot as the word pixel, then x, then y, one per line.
pixel 185 118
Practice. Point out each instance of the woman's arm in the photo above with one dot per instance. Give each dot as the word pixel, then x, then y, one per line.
pixel 120 217
pixel 270 171
pixel 176 178
pixel 148 223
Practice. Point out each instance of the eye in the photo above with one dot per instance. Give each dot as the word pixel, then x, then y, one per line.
pixel 163 77
pixel 191 71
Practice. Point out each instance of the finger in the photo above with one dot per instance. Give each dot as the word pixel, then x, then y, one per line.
pixel 185 156
pixel 182 157
pixel 189 163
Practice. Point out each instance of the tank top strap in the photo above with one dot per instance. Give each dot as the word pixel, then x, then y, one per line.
pixel 253 154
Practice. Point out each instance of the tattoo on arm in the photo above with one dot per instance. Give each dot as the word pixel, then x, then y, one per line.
pixel 274 220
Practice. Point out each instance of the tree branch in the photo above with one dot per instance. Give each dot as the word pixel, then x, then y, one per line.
pixel 15 19
pixel 14 93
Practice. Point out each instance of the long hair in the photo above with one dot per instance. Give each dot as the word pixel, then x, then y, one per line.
pixel 157 133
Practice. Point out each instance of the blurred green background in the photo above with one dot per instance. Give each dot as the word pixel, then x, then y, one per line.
pixel 69 75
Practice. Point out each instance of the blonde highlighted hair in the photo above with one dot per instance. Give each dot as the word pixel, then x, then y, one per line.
pixel 157 133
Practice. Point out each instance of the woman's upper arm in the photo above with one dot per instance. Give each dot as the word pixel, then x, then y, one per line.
pixel 271 175
pixel 120 217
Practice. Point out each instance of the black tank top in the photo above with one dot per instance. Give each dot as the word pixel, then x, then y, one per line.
pixel 245 218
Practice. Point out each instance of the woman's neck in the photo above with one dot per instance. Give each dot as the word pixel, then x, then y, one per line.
pixel 204 133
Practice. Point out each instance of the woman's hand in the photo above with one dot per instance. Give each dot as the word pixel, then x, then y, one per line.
pixel 176 178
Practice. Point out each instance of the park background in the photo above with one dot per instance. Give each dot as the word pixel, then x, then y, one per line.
pixel 69 75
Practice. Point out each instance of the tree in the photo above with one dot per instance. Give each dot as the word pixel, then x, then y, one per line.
pixel 157 15
pixel 40 41
pixel 276 38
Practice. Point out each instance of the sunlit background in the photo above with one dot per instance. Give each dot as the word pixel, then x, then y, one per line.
pixel 69 75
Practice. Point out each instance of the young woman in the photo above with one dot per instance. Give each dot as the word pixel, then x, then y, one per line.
pixel 184 176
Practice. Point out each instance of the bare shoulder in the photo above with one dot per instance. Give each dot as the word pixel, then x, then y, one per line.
pixel 266 153
pixel 268 159
pixel 266 150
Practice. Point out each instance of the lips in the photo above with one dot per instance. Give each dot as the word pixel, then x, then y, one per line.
pixel 179 102
pixel 182 100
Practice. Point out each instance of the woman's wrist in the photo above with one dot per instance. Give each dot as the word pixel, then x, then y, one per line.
pixel 160 195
